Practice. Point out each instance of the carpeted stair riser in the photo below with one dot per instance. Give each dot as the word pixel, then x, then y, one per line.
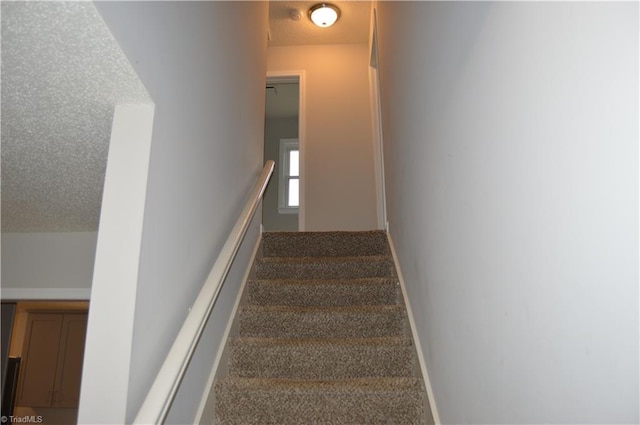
pixel 397 401
pixel 325 244
pixel 324 267
pixel 339 322
pixel 323 293
pixel 321 359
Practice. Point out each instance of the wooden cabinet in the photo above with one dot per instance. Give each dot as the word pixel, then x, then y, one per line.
pixel 52 360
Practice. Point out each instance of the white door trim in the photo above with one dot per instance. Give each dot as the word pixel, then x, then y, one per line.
pixel 376 119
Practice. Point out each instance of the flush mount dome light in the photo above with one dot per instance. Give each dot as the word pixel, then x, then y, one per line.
pixel 324 14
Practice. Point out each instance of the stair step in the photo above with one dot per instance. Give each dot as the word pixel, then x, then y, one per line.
pixel 325 244
pixel 323 293
pixel 324 267
pixel 250 401
pixel 322 338
pixel 321 359
pixel 334 322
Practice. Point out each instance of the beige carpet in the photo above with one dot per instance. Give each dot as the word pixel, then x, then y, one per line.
pixel 323 338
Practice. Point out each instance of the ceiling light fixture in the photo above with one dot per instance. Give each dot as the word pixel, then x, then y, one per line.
pixel 324 14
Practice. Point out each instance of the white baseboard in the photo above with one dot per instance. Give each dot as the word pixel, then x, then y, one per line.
pixel 19 294
pixel 414 333
pixel 205 410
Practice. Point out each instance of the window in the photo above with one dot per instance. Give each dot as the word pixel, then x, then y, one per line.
pixel 289 182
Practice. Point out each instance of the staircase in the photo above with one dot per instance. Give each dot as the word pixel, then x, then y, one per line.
pixel 323 338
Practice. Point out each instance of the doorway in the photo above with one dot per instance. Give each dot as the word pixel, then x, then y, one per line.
pixel 45 356
pixel 283 203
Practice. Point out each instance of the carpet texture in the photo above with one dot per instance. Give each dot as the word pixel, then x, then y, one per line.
pixel 323 338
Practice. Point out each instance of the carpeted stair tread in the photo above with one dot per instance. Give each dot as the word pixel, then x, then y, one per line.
pixel 346 281
pixel 324 244
pixel 323 293
pixel 324 267
pixel 249 401
pixel 257 341
pixel 334 322
pixel 332 386
pixel 321 359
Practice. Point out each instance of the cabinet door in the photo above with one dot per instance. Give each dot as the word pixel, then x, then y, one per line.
pixel 69 369
pixel 40 358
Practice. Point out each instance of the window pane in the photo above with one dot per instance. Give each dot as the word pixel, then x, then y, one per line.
pixel 292 199
pixel 294 156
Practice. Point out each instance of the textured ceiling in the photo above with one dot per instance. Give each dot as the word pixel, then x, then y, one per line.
pixel 62 75
pixel 351 27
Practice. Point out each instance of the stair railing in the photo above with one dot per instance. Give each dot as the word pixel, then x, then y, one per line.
pixel 156 405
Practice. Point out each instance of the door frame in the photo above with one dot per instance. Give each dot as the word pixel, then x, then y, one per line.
pixel 297 76
pixel 376 118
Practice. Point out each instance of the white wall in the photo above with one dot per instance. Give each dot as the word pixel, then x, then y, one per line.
pixel 46 264
pixel 339 185
pixel 203 64
pixel 116 268
pixel 511 147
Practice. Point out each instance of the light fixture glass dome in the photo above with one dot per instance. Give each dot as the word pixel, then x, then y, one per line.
pixel 324 14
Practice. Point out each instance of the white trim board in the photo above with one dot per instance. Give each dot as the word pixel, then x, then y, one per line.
pixel 414 334
pixel 19 294
pixel 376 120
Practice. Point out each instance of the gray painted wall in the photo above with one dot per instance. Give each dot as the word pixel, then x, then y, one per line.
pixel 206 155
pixel 511 148
pixel 274 130
pixel 48 260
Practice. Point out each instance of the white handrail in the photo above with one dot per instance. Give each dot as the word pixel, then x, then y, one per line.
pixel 156 405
